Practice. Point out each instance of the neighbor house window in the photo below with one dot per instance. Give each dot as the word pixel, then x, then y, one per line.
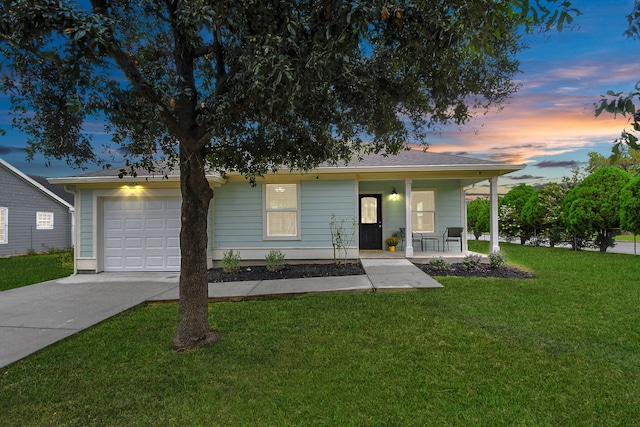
pixel 281 211
pixel 4 227
pixel 44 221
pixel 423 211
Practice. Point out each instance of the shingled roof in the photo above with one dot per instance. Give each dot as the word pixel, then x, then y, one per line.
pixel 419 158
pixel 405 161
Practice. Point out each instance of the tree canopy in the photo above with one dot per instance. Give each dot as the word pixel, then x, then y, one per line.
pixel 630 206
pixel 625 104
pixel 478 216
pixel 592 208
pixel 510 213
pixel 543 211
pixel 253 86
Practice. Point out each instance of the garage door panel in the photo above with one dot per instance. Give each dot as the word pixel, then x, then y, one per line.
pixel 133 243
pixel 142 234
pixel 154 224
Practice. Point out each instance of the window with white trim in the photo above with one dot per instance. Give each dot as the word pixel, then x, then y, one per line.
pixel 4 225
pixel 423 211
pixel 44 221
pixel 281 211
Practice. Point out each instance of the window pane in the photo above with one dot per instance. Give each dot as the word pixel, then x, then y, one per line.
pixel 282 196
pixel 44 220
pixel 281 224
pixel 369 210
pixel 422 201
pixel 423 222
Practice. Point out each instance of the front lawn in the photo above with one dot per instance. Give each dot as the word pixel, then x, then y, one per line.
pixel 27 270
pixel 562 348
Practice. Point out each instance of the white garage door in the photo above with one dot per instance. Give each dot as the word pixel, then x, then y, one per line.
pixel 142 234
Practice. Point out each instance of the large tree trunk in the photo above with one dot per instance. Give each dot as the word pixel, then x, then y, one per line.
pixel 193 325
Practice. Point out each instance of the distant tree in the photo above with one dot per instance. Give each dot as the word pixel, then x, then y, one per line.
pixel 543 212
pixel 510 213
pixel 478 212
pixel 627 159
pixel 625 104
pixel 630 206
pixel 591 210
pixel 252 86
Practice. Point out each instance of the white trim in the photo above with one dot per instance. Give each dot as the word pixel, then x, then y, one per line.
pixel 5 226
pixel 297 210
pixel 44 213
pixel 493 215
pixel 463 215
pixel 408 240
pixel 36 184
pixel 98 197
pixel 435 208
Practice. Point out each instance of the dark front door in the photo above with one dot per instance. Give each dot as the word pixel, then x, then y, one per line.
pixel 370 221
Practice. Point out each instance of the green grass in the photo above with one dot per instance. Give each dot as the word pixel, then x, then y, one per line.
pixel 626 238
pixel 27 270
pixel 560 349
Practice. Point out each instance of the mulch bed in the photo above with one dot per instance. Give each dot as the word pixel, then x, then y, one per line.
pixel 290 271
pixel 299 271
pixel 507 272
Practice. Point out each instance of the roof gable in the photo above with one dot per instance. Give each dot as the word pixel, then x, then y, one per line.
pixel 34 183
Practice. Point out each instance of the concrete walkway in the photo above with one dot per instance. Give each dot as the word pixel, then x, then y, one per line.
pixel 33 317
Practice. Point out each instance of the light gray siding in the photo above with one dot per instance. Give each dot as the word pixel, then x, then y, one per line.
pixel 321 199
pixel 238 214
pixel 86 208
pixel 23 200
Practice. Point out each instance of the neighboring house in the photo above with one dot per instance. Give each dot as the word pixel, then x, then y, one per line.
pixel 34 215
pixel 133 224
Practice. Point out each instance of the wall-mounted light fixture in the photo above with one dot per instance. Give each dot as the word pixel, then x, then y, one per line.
pixel 394 194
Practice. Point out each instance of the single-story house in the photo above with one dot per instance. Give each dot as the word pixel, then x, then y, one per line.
pixel 133 224
pixel 34 214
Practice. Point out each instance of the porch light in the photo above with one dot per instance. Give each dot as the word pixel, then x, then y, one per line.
pixel 394 194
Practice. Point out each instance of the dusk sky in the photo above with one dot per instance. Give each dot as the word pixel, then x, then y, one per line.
pixel 548 125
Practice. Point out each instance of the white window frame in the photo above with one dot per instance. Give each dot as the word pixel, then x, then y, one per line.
pixel 44 220
pixel 4 226
pixel 266 210
pixel 433 211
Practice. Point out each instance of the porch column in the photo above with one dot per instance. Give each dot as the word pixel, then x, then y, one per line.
pixel 408 240
pixel 493 228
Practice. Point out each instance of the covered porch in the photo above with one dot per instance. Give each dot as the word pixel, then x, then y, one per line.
pixel 423 213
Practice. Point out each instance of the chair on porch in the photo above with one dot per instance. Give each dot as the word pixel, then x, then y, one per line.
pixel 452 234
pixel 403 234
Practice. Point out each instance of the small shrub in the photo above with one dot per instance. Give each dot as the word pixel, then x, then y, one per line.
pixel 31 252
pixel 472 262
pixel 65 259
pixel 439 264
pixel 230 261
pixel 497 259
pixel 274 260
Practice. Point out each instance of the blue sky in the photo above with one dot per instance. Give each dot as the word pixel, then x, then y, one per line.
pixel 548 125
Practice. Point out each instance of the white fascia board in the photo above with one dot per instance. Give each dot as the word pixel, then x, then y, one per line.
pixel 125 179
pixel 422 168
pixel 500 169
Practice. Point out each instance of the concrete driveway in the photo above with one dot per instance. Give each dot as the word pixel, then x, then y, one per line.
pixel 33 317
